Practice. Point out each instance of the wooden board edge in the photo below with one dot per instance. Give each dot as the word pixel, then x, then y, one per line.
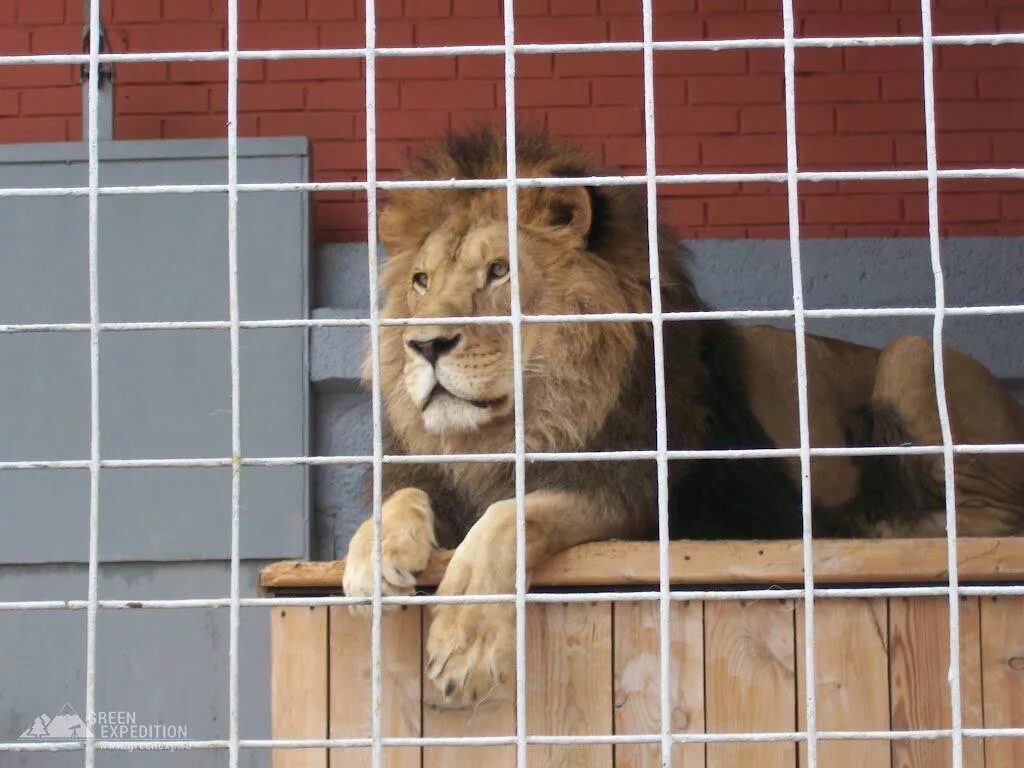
pixel 635 563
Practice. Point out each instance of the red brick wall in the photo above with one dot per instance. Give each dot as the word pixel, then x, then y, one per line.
pixel 716 111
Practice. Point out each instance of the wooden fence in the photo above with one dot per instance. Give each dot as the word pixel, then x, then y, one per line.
pixel 737 665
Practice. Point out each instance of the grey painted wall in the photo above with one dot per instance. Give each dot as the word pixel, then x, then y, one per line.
pixel 164 533
pixel 731 274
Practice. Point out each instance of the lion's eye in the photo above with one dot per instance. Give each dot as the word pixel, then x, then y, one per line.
pixel 496 271
pixel 419 281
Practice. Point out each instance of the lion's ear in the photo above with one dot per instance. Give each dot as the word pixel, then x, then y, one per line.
pixel 567 207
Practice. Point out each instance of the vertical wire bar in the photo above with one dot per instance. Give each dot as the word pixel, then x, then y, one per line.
pixel 793 199
pixel 376 750
pixel 657 329
pixel 928 57
pixel 94 384
pixel 515 311
pixel 236 400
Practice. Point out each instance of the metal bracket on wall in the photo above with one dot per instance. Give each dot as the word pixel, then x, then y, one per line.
pixel 105 105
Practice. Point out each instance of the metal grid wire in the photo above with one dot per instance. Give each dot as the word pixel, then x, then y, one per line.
pixel 650 180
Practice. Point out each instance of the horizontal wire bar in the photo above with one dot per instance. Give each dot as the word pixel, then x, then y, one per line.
pixel 601 317
pixel 277 54
pixel 684 595
pixel 479 458
pixel 615 180
pixel 498 741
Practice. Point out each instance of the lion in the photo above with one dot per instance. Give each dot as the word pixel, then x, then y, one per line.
pixel 589 386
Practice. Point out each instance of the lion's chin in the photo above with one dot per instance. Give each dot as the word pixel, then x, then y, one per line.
pixel 449 415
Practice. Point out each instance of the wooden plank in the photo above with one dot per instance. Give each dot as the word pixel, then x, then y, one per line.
pixel 350 684
pixel 298 683
pixel 637 681
pixel 725 562
pixel 851 639
pixel 919 664
pixel 493 716
pixel 568 684
pixel 1002 658
pixel 749 680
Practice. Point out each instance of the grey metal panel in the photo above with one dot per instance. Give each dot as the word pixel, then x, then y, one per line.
pixel 165 667
pixel 163 394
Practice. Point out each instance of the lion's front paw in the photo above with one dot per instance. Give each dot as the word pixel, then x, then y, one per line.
pixel 470 650
pixel 407 541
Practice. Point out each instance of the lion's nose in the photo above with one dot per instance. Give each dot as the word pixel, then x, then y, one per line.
pixel 432 349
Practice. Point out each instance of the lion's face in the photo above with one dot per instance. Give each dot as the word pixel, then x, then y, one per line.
pixel 460 376
pixel 449 258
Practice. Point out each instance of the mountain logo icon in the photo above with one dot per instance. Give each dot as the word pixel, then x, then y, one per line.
pixel 66 724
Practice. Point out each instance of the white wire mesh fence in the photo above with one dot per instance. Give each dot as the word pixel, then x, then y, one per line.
pixel 650 181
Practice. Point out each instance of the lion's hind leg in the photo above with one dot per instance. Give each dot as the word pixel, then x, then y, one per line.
pixel 989 487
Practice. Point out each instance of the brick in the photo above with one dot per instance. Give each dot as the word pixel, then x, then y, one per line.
pixel 138 127
pixel 849 25
pixel 620 90
pixel 7 11
pixel 282 10
pixel 174 37
pixel 979 116
pixel 750 89
pixel 598 64
pixel 836 88
pixel 51 101
pixel 398 124
pixel 473 119
pixel 263 97
pixel 845 151
pixel 37 75
pixel 63 39
pixel 330 10
pixel 750 151
pixel 349 95
pixel 958 208
pixel 1011 20
pixel 963 21
pixel 596 121
pixel 747 210
pixel 315 125
pixel 451 94
pixel 428 67
pixel 720 6
pixel 8 103
pixel 483 8
pixel 853 209
pixel 752 25
pixel 187 10
pixel 561 30
pixel 622 8
pixel 129 11
pixel 682 211
pixel 697 120
pixel 963 148
pixel 770 118
pixel 459 32
pixel 1008 148
pixel 313 69
pixel 14 41
pixel 669 90
pixel 1002 85
pixel 1013 206
pixel 676 156
pixel 981 57
pixel 159 100
pixel 195 127
pixel 879 118
pixel 265 35
pixel 131 72
pixel 557 93
pixel 676 26
pixel 573 7
pixel 33 129
pixel 883 59
pixel 40 12
pixel 728 62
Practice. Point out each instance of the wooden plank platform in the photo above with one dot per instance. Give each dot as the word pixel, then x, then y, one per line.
pixel 737 665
